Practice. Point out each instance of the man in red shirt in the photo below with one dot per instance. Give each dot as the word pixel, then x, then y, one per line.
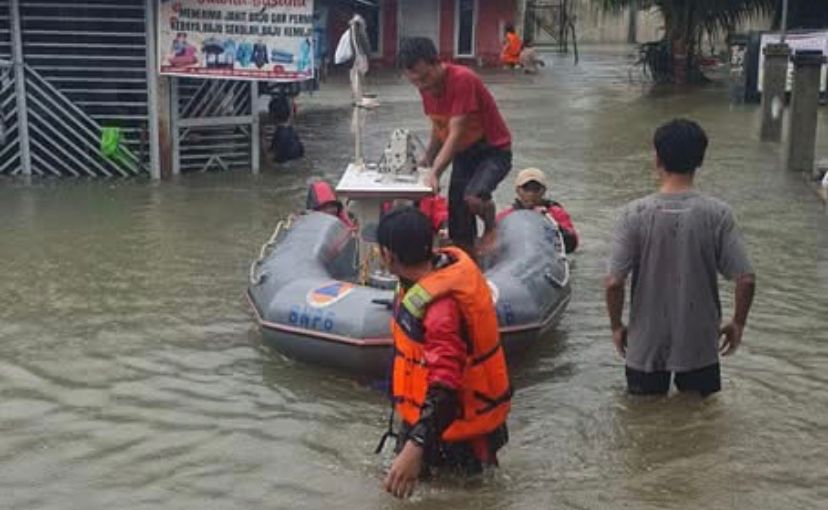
pixel 468 132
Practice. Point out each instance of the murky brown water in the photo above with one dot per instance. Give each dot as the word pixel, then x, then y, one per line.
pixel 132 376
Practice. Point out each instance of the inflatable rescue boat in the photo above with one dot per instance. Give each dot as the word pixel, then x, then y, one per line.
pixel 320 296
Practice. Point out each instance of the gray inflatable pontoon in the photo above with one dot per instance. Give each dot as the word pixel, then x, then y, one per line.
pixel 309 309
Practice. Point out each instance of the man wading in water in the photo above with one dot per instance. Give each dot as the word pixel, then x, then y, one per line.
pixel 450 384
pixel 468 132
pixel 675 242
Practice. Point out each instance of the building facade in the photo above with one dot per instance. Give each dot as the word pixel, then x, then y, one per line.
pixel 468 31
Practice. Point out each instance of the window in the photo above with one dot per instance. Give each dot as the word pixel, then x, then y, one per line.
pixel 465 20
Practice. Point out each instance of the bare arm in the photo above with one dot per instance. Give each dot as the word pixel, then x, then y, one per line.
pixel 745 289
pixel 457 126
pixel 432 149
pixel 733 330
pixel 615 307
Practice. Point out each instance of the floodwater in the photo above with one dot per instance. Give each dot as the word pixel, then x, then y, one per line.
pixel 132 376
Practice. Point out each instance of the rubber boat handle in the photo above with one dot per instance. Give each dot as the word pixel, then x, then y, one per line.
pixel 387 303
pixel 549 277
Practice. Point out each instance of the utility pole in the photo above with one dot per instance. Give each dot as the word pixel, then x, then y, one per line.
pixel 632 33
pixel 802 123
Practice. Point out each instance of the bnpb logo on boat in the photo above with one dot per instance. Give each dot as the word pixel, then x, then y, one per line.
pixel 329 294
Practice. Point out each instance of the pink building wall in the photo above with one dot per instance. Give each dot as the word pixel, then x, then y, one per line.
pixel 492 16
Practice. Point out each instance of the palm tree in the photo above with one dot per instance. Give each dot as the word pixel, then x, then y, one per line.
pixel 686 21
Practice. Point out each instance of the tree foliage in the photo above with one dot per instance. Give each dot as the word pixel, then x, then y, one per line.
pixel 686 21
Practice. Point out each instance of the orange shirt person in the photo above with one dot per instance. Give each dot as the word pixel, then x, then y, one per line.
pixel 510 56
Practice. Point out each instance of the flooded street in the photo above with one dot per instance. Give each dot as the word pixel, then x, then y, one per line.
pixel 132 375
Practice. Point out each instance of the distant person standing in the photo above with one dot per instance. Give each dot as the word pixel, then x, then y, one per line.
pixel 675 243
pixel 468 133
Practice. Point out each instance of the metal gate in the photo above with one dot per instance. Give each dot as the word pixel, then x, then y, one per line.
pixel 214 125
pixel 552 23
pixel 9 146
pixel 80 75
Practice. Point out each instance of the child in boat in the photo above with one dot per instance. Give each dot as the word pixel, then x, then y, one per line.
pixel 285 145
pixel 530 186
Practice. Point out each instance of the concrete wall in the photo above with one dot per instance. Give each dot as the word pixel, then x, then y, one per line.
pixel 594 26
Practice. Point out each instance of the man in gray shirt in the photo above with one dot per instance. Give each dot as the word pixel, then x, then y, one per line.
pixel 675 243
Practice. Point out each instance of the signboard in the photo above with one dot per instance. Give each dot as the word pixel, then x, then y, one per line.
pixel 797 41
pixel 267 40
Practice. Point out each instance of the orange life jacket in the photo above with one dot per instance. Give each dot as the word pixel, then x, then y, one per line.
pixel 511 50
pixel 485 394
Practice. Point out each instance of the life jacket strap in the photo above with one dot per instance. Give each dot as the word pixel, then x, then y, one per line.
pixel 492 403
pixel 400 354
pixel 486 355
pixel 389 433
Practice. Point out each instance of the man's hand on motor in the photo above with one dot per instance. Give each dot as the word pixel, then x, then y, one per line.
pixel 433 182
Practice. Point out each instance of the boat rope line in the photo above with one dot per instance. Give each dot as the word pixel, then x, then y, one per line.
pixel 562 249
pixel 285 225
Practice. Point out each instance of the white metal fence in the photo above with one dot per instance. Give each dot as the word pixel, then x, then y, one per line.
pixel 82 66
pixel 214 125
pixel 9 146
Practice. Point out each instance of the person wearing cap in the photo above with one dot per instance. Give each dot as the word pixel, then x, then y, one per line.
pixel 530 187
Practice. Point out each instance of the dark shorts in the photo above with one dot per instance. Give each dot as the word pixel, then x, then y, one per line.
pixel 475 172
pixel 705 381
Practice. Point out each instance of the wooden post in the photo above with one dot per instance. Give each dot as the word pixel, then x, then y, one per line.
pixel 774 90
pixel 632 29
pixel 804 109
pixel 165 161
pixel 255 131
pixel 152 90
pixel 175 131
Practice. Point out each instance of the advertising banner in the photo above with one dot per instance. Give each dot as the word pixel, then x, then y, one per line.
pixel 267 40
pixel 797 41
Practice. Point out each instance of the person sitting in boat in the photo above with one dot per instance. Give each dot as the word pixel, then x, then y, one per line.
pixel 322 198
pixel 450 381
pixel 530 186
